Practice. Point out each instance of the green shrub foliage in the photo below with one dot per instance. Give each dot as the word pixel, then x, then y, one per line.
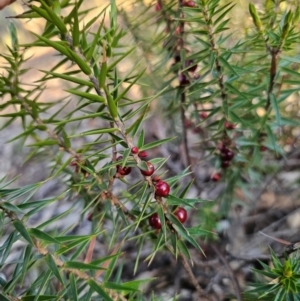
pixel 136 80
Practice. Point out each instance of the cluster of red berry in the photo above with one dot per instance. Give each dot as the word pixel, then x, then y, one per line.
pixel 155 222
pixel 162 188
pixel 226 155
pixel 124 171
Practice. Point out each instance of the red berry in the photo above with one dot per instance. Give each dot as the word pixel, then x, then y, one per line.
pixel 135 150
pixel 263 148
pixel 189 3
pixel 154 221
pixel 191 66
pixel 123 171
pixel 157 7
pixel 162 189
pixel 225 164
pixel 177 58
pixel 216 177
pixel 183 80
pixel 227 155
pixel 181 214
pixel 143 154
pixel 203 115
pixel 187 123
pixel 150 170
pixel 228 125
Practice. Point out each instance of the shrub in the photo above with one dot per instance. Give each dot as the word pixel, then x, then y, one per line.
pixel 138 85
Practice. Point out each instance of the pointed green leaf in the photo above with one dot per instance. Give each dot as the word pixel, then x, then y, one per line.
pixel 73 287
pixel 56 45
pixel 95 132
pixel 42 235
pixel 75 31
pixel 41 12
pixel 276 108
pixel 119 286
pixel 112 65
pixel 81 266
pixel 69 78
pixel 97 288
pixel 155 143
pixel 82 64
pixel 86 95
pixel 53 267
pixel 22 230
pixel 55 19
pixel 90 53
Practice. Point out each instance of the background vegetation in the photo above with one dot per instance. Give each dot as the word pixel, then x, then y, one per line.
pixel 150 150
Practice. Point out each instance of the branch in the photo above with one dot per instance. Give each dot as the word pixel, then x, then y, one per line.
pixel 59 263
pixel 231 274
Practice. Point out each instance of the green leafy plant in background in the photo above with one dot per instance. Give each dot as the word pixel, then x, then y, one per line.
pixel 230 92
pixel 284 280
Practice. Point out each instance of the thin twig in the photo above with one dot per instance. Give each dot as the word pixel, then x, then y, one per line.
pixel 231 274
pixel 192 277
pixel 215 49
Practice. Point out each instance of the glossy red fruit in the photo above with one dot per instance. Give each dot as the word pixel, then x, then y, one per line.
pixel 150 170
pixel 225 164
pixel 183 80
pixel 227 155
pixel 191 65
pixel 154 221
pixel 203 115
pixel 162 189
pixel 143 154
pixel 189 3
pixel 228 125
pixel 216 177
pixel 135 150
pixel 181 214
pixel 123 171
